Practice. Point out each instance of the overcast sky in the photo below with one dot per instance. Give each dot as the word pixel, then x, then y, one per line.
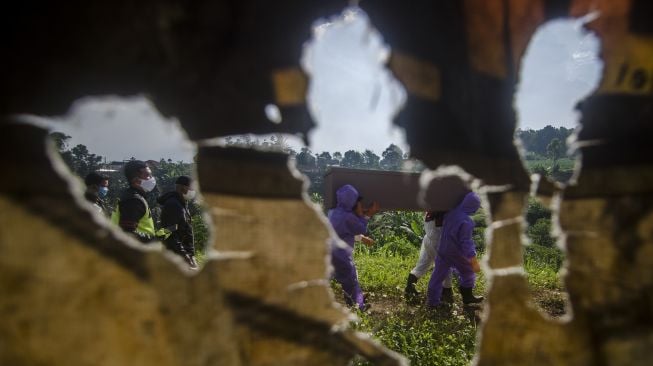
pixel 561 66
pixel 352 96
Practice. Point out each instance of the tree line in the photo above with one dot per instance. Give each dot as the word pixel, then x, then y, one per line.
pixel 546 143
pixel 539 145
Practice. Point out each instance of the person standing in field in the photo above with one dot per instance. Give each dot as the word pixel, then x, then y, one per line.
pixel 349 220
pixel 427 253
pixel 176 217
pixel 133 213
pixel 97 187
pixel 457 250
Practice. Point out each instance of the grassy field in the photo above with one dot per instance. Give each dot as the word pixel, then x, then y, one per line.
pixel 427 337
pixel 564 164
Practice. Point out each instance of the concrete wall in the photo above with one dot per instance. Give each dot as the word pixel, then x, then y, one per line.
pixel 76 292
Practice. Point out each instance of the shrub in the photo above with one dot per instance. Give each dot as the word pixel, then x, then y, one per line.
pixel 540 233
pixel 398 247
pixel 562 175
pixel 479 238
pixel 480 218
pixel 539 169
pixel 389 226
pixel 201 232
pixel 542 265
pixel 535 211
pixel 543 256
pixel 317 198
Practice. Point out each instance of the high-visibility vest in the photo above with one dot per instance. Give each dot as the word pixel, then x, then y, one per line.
pixel 145 224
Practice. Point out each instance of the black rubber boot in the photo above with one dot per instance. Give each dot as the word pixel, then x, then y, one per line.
pixel 366 307
pixel 410 292
pixel 447 295
pixel 468 297
pixel 191 261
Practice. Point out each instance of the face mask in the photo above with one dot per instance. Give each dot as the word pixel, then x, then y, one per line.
pixel 148 184
pixel 189 195
pixel 102 192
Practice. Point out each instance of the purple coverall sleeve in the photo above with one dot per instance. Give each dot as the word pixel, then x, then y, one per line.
pixel 356 225
pixel 467 246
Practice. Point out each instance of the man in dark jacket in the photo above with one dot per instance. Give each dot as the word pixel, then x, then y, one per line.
pixel 133 213
pixel 97 187
pixel 176 218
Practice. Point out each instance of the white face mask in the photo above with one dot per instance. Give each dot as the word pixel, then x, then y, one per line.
pixel 189 195
pixel 148 184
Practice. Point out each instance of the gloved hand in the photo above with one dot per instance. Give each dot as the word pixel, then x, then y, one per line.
pixel 367 240
pixel 476 267
pixel 372 210
pixel 165 232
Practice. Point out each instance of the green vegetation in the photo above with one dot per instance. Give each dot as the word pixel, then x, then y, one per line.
pixel 424 336
pixel 539 141
pixel 547 153
pixel 428 337
pixel 561 170
pixel 81 161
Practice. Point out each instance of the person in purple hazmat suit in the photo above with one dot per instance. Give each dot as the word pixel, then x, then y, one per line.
pixel 457 250
pixel 349 220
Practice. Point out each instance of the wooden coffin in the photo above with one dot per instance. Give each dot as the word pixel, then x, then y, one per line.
pixel 395 190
